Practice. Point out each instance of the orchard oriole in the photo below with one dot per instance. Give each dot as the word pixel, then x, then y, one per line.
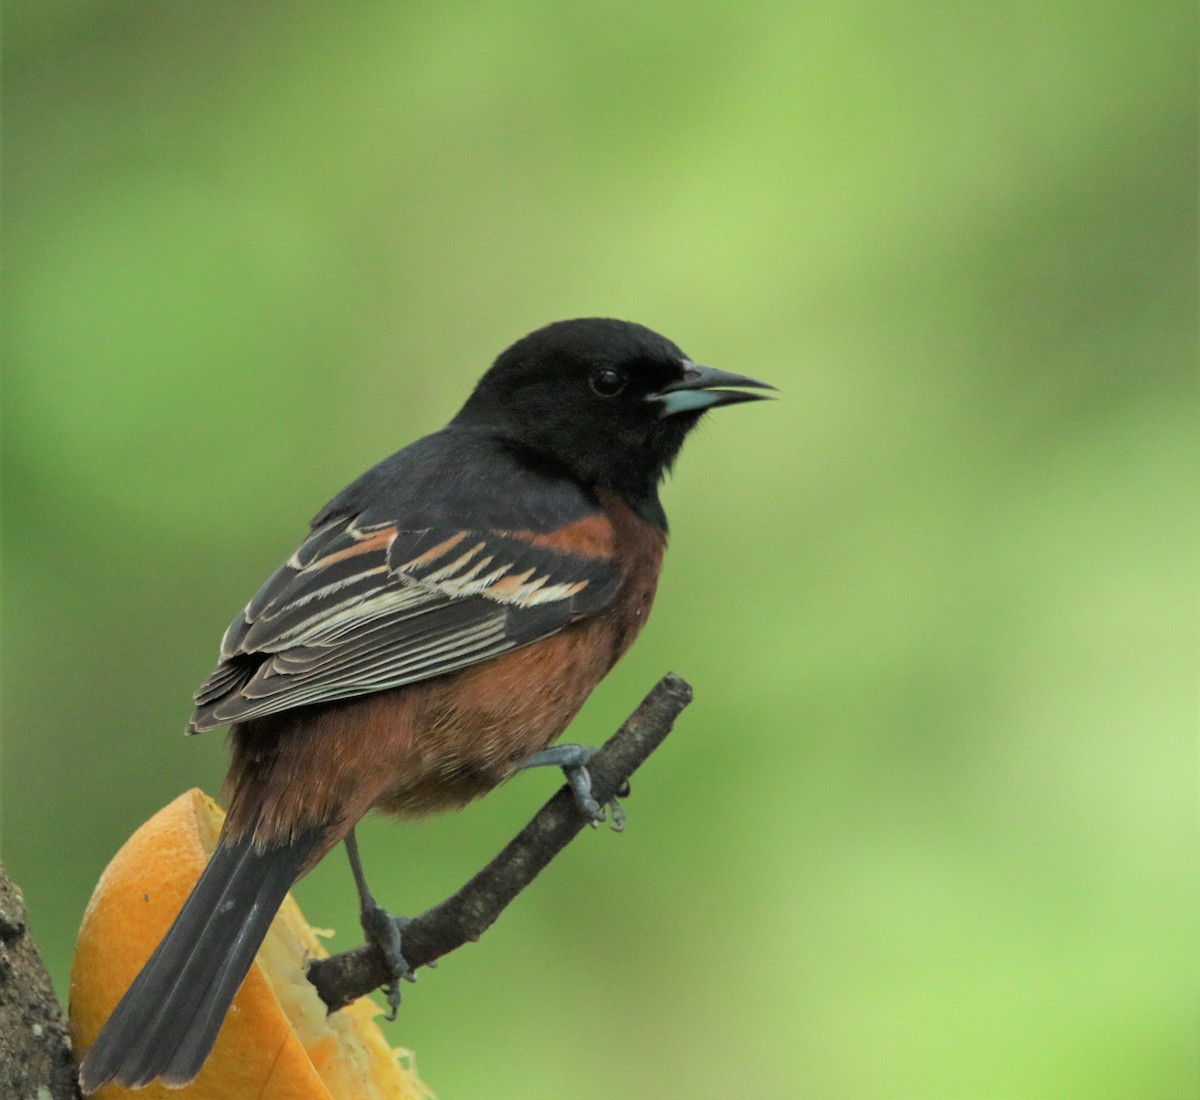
pixel 440 626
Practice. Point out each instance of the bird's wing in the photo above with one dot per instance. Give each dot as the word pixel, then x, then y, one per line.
pixel 361 607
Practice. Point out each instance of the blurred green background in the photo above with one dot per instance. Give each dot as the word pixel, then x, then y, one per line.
pixel 928 830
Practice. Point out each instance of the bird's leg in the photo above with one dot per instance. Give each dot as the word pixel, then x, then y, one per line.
pixel 381 928
pixel 573 759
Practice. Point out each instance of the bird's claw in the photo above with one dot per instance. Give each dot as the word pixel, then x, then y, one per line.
pixel 573 759
pixel 612 812
pixel 383 930
pixel 580 781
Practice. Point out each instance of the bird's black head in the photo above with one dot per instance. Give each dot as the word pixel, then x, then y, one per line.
pixel 609 401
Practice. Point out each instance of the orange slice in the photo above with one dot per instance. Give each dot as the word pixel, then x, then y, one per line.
pixel 277 1043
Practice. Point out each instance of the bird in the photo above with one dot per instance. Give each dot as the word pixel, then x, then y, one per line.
pixel 439 627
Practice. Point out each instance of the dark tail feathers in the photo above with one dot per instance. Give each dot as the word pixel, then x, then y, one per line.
pixel 167 1022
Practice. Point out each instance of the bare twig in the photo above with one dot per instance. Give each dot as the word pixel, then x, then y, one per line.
pixel 467 915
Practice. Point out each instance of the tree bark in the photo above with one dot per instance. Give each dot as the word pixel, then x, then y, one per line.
pixel 36 1059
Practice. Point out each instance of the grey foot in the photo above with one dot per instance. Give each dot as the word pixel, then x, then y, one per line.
pixel 573 759
pixel 383 930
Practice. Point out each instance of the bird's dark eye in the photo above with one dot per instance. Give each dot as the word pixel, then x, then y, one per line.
pixel 608 382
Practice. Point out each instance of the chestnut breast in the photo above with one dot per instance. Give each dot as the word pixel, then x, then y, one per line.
pixel 474 727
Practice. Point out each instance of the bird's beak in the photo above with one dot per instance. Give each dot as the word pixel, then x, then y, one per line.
pixel 704 388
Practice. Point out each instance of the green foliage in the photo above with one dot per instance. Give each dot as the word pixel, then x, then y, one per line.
pixel 926 832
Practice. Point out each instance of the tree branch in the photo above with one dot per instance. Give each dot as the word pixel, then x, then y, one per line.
pixel 464 917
